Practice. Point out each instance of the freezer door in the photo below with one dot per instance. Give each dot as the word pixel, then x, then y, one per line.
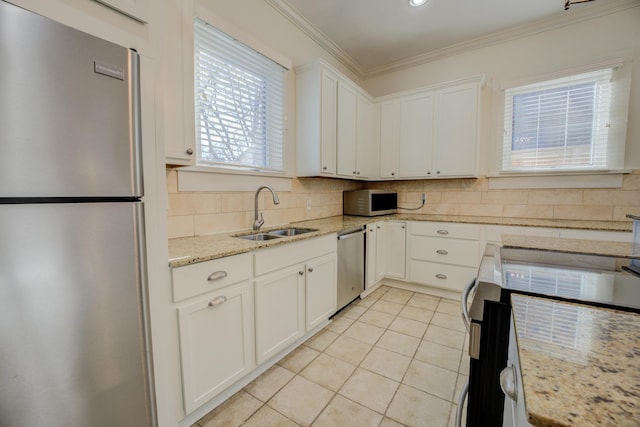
pixel 69 111
pixel 74 347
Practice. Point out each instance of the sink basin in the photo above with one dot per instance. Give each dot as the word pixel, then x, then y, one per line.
pixel 258 236
pixel 291 231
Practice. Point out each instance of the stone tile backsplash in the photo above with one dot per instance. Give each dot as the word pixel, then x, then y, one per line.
pixel 196 213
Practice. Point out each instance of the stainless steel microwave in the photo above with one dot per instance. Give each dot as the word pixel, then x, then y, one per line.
pixel 369 202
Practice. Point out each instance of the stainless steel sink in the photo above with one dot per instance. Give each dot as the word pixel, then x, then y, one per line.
pixel 294 231
pixel 275 234
pixel 258 236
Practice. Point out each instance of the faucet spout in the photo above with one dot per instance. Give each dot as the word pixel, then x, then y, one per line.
pixel 257 222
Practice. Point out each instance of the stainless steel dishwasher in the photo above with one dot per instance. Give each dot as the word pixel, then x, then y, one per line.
pixel 350 265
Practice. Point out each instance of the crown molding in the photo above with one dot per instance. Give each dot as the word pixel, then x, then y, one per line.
pixel 316 35
pixel 574 16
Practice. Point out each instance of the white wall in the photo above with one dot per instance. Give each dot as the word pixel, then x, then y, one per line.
pixel 606 37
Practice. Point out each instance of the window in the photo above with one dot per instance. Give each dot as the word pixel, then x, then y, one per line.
pixel 239 104
pixel 564 124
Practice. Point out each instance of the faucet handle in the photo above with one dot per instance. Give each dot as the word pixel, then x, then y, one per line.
pixel 258 223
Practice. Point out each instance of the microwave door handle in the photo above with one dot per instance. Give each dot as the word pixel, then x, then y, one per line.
pixel 464 303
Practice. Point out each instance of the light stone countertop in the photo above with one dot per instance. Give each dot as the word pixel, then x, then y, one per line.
pixel 188 250
pixel 580 364
pixel 583 246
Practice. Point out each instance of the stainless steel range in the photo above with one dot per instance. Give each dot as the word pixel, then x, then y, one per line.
pixel 587 279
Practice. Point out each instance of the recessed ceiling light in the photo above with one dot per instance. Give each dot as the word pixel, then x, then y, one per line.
pixel 416 3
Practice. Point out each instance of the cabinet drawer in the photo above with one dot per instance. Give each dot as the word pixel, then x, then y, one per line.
pixel 446 230
pixel 451 277
pixel 447 251
pixel 272 259
pixel 196 279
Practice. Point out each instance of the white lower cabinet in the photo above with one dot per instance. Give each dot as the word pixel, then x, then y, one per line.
pixel 394 244
pixel 443 255
pixel 320 289
pixel 216 342
pixel 296 288
pixel 374 256
pixel 279 310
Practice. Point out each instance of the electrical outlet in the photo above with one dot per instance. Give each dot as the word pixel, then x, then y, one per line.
pixel 308 204
pixel 424 198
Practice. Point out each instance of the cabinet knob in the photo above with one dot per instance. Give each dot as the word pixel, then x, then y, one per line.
pixel 217 275
pixel 442 252
pixel 429 173
pixel 324 168
pixel 441 276
pixel 378 227
pixel 403 227
pixel 358 173
pixel 217 301
pixel 301 272
pixel 189 151
pixel 393 174
pixel 354 172
pixel 310 269
pixel 438 172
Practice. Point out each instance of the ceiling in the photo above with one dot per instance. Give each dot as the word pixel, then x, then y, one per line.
pixel 377 36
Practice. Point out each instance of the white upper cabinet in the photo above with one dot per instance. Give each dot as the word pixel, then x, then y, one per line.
pixel 346 130
pixel 335 125
pixel 389 138
pixel 431 133
pixel 365 139
pixel 457 131
pixel 416 136
pixel 317 106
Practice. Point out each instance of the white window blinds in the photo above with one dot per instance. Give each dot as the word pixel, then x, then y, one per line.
pixel 564 124
pixel 239 103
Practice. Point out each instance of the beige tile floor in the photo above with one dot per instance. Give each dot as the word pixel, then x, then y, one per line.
pixel 394 358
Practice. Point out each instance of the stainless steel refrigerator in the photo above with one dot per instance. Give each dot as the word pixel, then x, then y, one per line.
pixel 74 335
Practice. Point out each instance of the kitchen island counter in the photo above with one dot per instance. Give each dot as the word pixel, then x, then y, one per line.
pixel 580 364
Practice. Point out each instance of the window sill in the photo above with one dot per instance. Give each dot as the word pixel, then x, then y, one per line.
pixel 566 180
pixel 199 178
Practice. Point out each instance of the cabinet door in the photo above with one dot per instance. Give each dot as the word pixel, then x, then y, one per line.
pixel 328 100
pixel 364 139
pixel 346 130
pixel 371 252
pixel 416 136
pixel 389 134
pixel 279 310
pixel 457 131
pixel 394 242
pixel 321 283
pixel 216 342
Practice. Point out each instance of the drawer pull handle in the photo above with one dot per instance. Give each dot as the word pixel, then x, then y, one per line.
pixel 217 301
pixel 441 276
pixel 443 232
pixel 442 252
pixel 217 275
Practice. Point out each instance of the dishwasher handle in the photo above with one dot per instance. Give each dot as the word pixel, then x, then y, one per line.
pixel 351 235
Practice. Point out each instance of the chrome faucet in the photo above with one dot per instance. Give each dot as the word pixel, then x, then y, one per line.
pixel 257 223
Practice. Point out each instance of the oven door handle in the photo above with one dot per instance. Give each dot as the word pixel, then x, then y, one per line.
pixel 461 399
pixel 464 300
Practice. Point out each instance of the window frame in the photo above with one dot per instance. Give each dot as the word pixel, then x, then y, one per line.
pixel 617 133
pixel 192 10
